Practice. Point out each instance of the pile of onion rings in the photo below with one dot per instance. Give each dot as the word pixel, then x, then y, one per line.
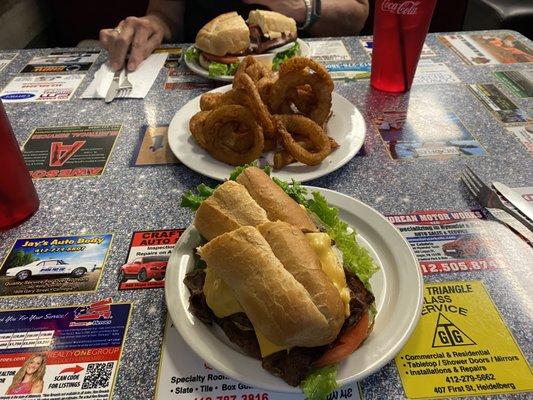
pixel 285 113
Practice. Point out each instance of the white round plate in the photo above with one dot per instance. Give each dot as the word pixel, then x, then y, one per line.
pixel 266 58
pixel 346 125
pixel 397 286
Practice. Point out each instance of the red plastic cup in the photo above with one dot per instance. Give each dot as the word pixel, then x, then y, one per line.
pixel 18 198
pixel 400 28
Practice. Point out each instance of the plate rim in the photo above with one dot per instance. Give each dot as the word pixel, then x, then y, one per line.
pixel 283 387
pixel 305 51
pixel 359 136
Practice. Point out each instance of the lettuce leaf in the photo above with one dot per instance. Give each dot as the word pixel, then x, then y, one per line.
pixel 219 69
pixel 192 54
pixel 283 56
pixel 194 200
pixel 294 190
pixel 355 257
pixel 320 382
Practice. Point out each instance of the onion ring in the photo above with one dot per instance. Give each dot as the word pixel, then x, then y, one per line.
pixel 214 127
pixel 298 124
pixel 209 101
pixel 291 80
pixel 260 110
pixel 255 69
pixel 302 63
pixel 196 126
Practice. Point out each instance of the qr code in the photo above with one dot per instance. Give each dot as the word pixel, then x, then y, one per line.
pixel 97 375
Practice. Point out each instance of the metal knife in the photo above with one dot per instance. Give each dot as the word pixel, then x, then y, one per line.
pixel 515 199
pixel 113 88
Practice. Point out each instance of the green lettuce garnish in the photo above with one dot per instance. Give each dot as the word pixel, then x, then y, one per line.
pixel 192 54
pixel 283 56
pixel 294 190
pixel 194 200
pixel 219 69
pixel 320 383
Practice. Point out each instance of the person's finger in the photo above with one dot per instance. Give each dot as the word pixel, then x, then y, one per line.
pixel 139 43
pixel 122 41
pixel 150 45
pixel 106 38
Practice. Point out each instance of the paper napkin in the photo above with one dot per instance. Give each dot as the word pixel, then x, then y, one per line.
pixel 142 78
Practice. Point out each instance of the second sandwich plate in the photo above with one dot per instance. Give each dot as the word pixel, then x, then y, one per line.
pixel 397 286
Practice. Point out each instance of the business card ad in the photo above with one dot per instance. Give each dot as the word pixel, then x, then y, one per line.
pixel 328 50
pixel 461 347
pixel 147 259
pixel 429 72
pixel 61 61
pixel 407 136
pixel 349 71
pixel 69 151
pixel 497 103
pixel 5 59
pixel 450 241
pixel 62 353
pixel 60 264
pixel 524 134
pixel 183 375
pixel 520 83
pixel 39 88
pixel 488 49
pixel 173 56
pixel 153 148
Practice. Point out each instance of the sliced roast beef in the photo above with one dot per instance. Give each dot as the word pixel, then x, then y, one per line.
pixel 261 44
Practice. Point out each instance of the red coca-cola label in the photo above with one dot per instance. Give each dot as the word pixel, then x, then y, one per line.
pixel 400 7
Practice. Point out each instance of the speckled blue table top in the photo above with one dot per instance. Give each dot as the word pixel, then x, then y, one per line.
pixel 125 199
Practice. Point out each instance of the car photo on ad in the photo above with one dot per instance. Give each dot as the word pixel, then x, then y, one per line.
pixel 146 263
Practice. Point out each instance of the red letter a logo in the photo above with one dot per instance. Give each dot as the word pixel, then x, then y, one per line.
pixel 60 153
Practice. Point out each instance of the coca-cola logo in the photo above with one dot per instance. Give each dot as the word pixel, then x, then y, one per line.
pixel 400 7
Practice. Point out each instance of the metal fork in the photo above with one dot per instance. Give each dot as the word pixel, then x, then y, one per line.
pixel 125 86
pixel 487 197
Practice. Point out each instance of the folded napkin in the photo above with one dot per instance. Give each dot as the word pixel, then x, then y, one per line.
pixel 142 78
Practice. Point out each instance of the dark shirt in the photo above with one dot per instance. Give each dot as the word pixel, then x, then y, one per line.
pixel 200 12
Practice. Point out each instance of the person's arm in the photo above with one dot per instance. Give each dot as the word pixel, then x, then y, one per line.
pixel 37 387
pixel 338 17
pixel 163 20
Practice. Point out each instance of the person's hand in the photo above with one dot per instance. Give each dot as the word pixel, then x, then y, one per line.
pixel 291 8
pixel 142 35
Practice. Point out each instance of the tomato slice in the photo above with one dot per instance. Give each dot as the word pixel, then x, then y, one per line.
pixel 346 344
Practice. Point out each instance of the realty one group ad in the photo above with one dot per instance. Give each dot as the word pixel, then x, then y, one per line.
pixel 62 353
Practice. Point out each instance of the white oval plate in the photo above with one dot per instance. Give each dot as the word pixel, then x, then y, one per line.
pixel 346 125
pixel 266 58
pixel 398 288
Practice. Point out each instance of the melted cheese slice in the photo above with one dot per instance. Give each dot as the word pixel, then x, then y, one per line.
pixel 219 296
pixel 223 303
pixel 321 244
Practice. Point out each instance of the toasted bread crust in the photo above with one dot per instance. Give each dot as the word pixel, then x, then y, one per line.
pixel 277 204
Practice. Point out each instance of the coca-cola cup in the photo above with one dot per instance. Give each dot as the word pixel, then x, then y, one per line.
pixel 18 198
pixel 400 28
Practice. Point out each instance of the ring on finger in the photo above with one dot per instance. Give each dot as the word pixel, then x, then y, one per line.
pixel 117 30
